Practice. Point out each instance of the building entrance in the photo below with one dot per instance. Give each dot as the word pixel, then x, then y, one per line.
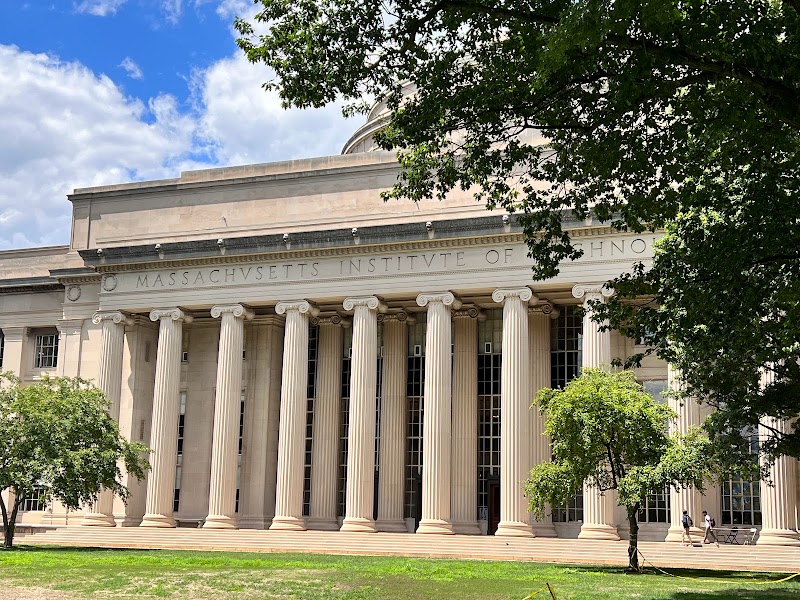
pixel 494 507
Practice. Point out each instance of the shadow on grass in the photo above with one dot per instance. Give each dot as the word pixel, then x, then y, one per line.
pixel 76 549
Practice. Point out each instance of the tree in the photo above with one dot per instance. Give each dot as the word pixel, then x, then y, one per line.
pixel 59 443
pixel 608 431
pixel 675 115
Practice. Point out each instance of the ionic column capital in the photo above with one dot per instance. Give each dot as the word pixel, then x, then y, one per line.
pixel 301 306
pixel 115 316
pixel 524 294
pixel 399 317
pixel 544 307
pixel 176 314
pixel 596 291
pixel 237 310
pixel 469 312
pixel 446 298
pixel 370 302
pixel 334 319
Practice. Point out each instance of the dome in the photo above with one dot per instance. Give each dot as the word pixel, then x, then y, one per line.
pixel 363 139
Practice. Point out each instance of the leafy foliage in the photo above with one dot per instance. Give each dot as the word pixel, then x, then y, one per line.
pixel 608 431
pixel 57 434
pixel 681 115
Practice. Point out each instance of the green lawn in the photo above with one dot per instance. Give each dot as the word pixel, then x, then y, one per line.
pixel 88 573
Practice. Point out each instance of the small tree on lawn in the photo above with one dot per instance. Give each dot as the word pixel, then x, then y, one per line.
pixel 607 430
pixel 58 442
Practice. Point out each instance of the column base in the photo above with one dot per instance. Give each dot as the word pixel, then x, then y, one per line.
pixel 467 528
pixel 598 531
pixel 98 520
pixel 435 526
pixel 322 524
pixel 287 524
pixel 775 537
pixel 220 522
pixel 162 521
pixel 513 529
pixel 391 525
pixel 674 534
pixel 543 530
pixel 358 524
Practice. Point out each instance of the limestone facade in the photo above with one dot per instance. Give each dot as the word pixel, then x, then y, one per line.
pixel 298 354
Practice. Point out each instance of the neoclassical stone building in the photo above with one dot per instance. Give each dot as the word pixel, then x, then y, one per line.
pixel 299 354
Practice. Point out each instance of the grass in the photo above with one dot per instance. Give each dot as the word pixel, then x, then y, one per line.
pixel 95 573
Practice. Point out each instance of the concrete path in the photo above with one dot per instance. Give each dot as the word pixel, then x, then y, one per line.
pixel 563 551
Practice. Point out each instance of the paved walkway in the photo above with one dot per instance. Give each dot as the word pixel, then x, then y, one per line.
pixel 661 554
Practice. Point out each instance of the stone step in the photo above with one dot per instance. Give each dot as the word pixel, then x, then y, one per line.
pixel 746 558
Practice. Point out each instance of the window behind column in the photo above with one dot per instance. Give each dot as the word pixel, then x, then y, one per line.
pixel 741 499
pixel 34 501
pixel 241 446
pixel 46 349
pixel 176 498
pixel 566 337
pixel 415 391
pixel 311 393
pixel 2 347
pixel 655 508
pixel 344 418
pixel 490 339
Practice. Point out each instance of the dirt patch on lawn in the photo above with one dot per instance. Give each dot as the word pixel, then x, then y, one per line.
pixel 17 592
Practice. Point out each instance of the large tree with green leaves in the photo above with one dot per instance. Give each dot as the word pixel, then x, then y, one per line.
pixel 674 115
pixel 59 443
pixel 608 431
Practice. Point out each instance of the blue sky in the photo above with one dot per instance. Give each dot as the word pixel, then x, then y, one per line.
pixel 94 92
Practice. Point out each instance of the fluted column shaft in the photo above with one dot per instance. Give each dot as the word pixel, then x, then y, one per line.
pixel 393 419
pixel 514 418
pixel 436 428
pixel 464 475
pixel 291 436
pixel 539 318
pixel 227 405
pixel 363 406
pixel 325 433
pixel 598 508
pixel 688 499
pixel 779 500
pixel 164 429
pixel 109 381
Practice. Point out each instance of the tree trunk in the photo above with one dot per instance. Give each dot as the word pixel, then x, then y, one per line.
pixel 10 523
pixel 633 543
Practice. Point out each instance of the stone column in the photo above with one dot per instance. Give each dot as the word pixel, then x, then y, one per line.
pixel 779 500
pixel 514 417
pixel 363 405
pixel 164 430
pixel 325 433
pixel 16 347
pixel 436 430
pixel 291 439
pixel 464 476
pixel 393 420
pixel 688 499
pixel 539 317
pixel 598 509
pixel 227 404
pixel 109 380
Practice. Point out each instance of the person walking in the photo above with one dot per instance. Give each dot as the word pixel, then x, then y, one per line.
pixel 687 523
pixel 710 523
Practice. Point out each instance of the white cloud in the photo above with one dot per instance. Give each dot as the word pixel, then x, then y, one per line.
pixel 227 9
pixel 131 68
pixel 173 10
pixel 65 127
pixel 99 8
pixel 248 125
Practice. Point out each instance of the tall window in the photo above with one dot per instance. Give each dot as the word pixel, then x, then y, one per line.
pixel 46 351
pixel 566 337
pixel 344 419
pixel 655 508
pixel 490 336
pixel 241 445
pixel 311 391
pixel 34 500
pixel 741 499
pixel 2 347
pixel 415 390
pixel 176 498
